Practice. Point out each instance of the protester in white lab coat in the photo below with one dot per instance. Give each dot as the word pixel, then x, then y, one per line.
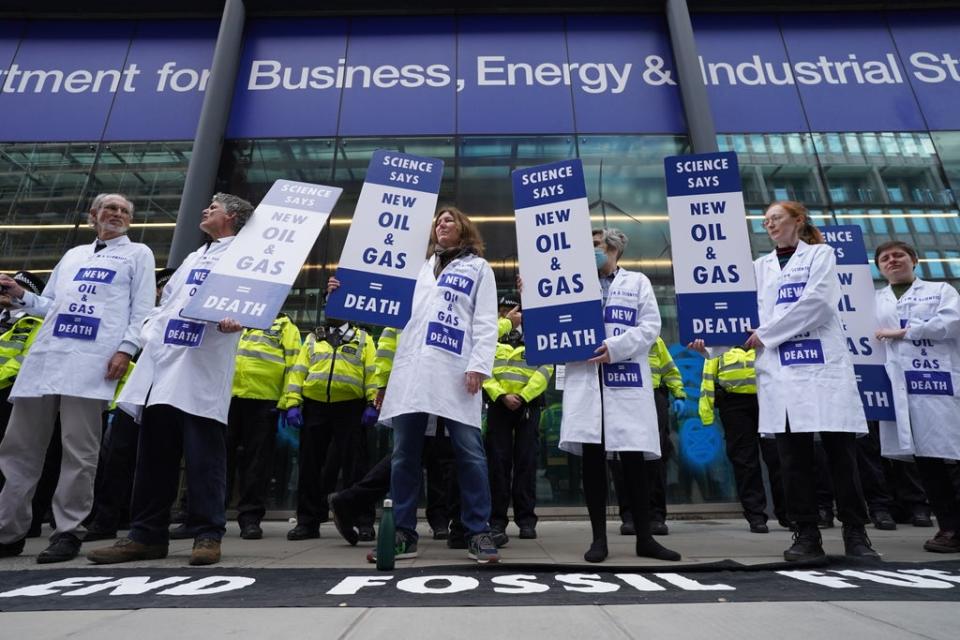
pixel 608 403
pixel 920 323
pixel 805 378
pixel 445 352
pixel 180 392
pixel 94 304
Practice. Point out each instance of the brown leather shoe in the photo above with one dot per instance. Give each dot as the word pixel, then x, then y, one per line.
pixel 943 542
pixel 205 551
pixel 127 550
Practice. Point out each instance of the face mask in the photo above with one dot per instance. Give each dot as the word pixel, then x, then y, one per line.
pixel 601 257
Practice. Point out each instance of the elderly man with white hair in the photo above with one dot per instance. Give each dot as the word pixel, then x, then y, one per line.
pixel 94 305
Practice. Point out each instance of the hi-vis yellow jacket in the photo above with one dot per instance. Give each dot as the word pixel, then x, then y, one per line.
pixel 733 371
pixel 14 344
pixel 325 374
pixel 383 362
pixel 504 326
pixel 123 381
pixel 663 368
pixel 265 358
pixel 512 374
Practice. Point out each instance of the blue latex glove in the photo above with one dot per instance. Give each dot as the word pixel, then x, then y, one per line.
pixel 678 405
pixel 370 415
pixel 294 417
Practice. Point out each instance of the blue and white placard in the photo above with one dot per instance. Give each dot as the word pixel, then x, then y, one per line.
pixel 388 239
pixel 562 303
pixel 712 263
pixel 858 313
pixel 251 281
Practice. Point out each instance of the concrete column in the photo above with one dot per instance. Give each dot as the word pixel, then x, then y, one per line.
pixel 208 144
pixel 693 92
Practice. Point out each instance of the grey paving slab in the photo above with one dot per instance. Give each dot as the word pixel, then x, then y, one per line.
pixel 181 624
pixel 929 619
pixel 484 623
pixel 54 625
pixel 790 620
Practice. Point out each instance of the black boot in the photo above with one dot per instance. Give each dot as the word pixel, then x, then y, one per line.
pixel 807 544
pixel 650 548
pixel 597 551
pixel 856 543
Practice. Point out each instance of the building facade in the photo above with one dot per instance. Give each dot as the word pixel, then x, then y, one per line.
pixel 853 112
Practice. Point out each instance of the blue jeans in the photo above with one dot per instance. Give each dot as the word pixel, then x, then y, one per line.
pixel 405 474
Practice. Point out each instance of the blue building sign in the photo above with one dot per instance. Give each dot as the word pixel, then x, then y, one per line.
pixel 471 75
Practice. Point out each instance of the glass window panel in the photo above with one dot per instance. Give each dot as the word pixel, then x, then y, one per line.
pixel 775 175
pixel 934 268
pixel 43 197
pixel 152 175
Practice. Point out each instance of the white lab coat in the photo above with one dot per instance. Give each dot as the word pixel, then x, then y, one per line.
pixel 629 414
pixel 815 396
pixel 187 364
pixel 101 300
pixel 452 330
pixel 927 424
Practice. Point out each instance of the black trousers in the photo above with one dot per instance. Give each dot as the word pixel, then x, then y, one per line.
pixel 740 415
pixel 799 470
pixel 634 488
pixel 888 485
pixel 251 440
pixel 442 487
pixel 166 434
pixel 118 462
pixel 825 499
pixel 938 481
pixel 330 444
pixel 657 469
pixel 369 490
pixel 362 497
pixel 513 441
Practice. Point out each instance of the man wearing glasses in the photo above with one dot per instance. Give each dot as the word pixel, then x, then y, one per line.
pixel 93 307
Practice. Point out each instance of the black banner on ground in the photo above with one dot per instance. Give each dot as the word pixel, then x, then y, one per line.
pixel 466 585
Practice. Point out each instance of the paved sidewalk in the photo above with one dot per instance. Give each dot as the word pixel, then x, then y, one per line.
pixel 559 542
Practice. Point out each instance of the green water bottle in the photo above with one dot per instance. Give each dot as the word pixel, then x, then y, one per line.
pixel 386 538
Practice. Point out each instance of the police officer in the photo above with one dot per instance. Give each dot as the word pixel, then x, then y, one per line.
pixel 666 380
pixel 19 331
pixel 328 390
pixel 265 361
pixel 95 303
pixel 920 321
pixel 180 391
pixel 515 392
pixel 730 383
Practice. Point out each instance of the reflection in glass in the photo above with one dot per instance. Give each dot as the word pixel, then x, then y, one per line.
pixel 45 190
